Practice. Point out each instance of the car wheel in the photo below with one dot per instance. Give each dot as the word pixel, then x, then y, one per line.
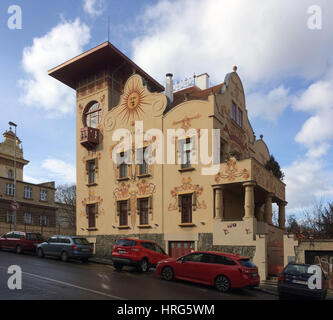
pixel 64 256
pixel 18 249
pixel 167 273
pixel 222 283
pixel 40 253
pixel 118 266
pixel 144 265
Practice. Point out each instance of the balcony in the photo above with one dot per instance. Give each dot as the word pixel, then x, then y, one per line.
pixel 89 137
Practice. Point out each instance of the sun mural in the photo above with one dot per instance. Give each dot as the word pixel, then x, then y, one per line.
pixel 134 98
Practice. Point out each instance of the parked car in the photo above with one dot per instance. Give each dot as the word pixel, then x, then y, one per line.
pixel 139 253
pixel 222 270
pixel 66 247
pixel 20 241
pixel 293 282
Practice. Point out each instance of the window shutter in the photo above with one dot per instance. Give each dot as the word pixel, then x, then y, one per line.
pixel 194 201
pixel 138 206
pixel 150 204
pixel 87 210
pixel 129 206
pixel 118 208
pixel 96 209
pixel 87 167
pixel 40 220
pixel 180 203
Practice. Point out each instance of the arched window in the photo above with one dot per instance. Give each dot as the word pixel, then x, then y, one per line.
pixel 93 115
pixel 10 174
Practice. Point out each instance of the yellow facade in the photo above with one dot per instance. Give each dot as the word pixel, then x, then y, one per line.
pixel 231 209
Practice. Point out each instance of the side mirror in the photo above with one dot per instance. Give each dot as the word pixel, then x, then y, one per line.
pixel 48 240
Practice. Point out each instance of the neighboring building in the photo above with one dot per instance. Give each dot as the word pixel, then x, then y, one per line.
pixel 37 210
pixel 173 204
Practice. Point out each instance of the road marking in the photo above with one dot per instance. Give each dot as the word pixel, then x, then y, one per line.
pixel 71 285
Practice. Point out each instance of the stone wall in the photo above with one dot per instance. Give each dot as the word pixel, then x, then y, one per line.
pixel 104 243
pixel 205 243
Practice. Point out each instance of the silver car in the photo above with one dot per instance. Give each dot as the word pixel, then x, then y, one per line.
pixel 66 247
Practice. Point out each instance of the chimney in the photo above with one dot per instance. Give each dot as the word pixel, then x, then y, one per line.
pixel 169 86
pixel 202 81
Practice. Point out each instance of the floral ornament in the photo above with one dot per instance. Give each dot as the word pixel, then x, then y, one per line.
pixel 232 172
pixel 184 187
pixel 186 122
pixel 122 191
pixel 145 188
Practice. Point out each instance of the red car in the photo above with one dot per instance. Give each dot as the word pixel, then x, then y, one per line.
pixel 222 270
pixel 20 241
pixel 135 252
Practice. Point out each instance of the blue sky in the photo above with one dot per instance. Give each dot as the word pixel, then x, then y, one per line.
pixel 285 66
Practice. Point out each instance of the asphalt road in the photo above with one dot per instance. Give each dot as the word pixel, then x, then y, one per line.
pixel 51 279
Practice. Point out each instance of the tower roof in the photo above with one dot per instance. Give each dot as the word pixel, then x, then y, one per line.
pixel 103 57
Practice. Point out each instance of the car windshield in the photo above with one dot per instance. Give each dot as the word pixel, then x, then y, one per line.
pixel 247 263
pixel 126 243
pixel 34 237
pixel 296 269
pixel 81 241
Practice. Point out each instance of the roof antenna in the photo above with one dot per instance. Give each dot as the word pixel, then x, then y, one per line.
pixel 108 28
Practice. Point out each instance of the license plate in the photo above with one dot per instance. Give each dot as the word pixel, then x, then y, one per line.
pixel 122 251
pixel 299 281
pixel 85 250
pixel 254 275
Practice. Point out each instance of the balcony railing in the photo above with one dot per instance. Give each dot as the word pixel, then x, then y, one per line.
pixel 89 137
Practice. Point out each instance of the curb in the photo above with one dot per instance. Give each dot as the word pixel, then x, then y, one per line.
pixel 101 261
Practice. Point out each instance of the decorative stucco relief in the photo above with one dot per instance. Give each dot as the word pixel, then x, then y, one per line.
pixel 231 172
pixel 186 122
pixel 187 186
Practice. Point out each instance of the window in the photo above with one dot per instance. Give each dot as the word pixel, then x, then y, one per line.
pixel 143 211
pixel 93 115
pixel 123 213
pixel 126 243
pixel 123 171
pixel 240 117
pixel 186 208
pixel 142 161
pixel 91 212
pixel 27 193
pixel 246 263
pixel 122 165
pixel 148 245
pixel 27 218
pixel 43 195
pixel 91 169
pixel 10 174
pixel 159 250
pixel 34 236
pixel 234 111
pixel 10 189
pixel 9 217
pixel 194 257
pixel 44 221
pixel 83 241
pixel 185 150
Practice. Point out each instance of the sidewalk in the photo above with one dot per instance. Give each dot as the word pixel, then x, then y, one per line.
pixel 101 261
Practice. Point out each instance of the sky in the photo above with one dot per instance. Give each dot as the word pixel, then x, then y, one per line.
pixel 283 53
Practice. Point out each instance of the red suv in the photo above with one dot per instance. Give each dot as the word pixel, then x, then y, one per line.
pixel 20 241
pixel 222 270
pixel 140 253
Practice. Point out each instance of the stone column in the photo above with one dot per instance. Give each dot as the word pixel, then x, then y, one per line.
pixel 249 199
pixel 219 203
pixel 268 208
pixel 282 214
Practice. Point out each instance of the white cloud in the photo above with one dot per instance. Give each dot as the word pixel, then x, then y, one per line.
pixel 307 181
pixel 30 179
pixel 267 40
pixel 94 7
pixel 269 106
pixel 63 42
pixel 60 171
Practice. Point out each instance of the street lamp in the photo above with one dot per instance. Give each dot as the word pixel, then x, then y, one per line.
pixel 14 211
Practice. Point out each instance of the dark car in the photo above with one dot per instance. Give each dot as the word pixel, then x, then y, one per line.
pixel 293 283
pixel 20 241
pixel 223 270
pixel 139 253
pixel 66 247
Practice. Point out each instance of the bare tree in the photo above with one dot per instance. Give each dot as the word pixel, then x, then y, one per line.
pixel 65 197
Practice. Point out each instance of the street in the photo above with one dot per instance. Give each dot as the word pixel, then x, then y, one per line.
pixel 51 279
